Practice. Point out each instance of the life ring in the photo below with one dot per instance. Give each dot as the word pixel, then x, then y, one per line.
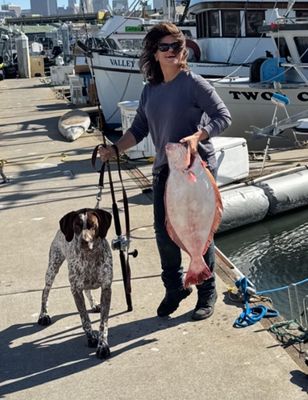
pixel 194 52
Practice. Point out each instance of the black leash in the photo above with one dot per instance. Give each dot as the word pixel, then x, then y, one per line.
pixel 121 242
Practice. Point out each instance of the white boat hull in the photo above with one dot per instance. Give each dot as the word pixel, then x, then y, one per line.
pixel 118 79
pixel 251 105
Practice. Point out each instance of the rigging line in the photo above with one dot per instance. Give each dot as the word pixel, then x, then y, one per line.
pixel 123 22
pixel 124 261
pixel 133 6
pixel 101 117
pixel 122 96
pixel 251 52
pixel 237 35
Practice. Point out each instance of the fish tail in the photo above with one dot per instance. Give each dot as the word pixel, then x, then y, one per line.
pixel 197 273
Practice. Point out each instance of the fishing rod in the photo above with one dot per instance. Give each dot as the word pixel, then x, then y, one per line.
pixel 121 242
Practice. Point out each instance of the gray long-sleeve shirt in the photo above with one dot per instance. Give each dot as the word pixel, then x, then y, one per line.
pixel 173 110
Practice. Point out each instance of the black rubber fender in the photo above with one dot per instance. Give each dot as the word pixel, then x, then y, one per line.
pixel 194 49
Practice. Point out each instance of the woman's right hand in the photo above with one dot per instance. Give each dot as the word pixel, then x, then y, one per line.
pixel 106 153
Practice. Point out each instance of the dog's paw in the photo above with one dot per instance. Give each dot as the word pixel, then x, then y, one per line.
pixel 103 350
pixel 96 308
pixel 44 320
pixel 92 339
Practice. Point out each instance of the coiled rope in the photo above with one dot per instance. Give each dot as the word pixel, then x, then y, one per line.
pixel 251 315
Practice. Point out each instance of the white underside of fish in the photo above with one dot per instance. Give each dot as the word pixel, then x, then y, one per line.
pixel 193 213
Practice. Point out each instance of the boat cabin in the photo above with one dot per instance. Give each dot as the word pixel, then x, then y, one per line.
pixel 291 38
pixel 124 35
pixel 229 31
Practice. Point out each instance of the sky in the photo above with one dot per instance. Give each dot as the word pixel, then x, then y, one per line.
pixel 25 4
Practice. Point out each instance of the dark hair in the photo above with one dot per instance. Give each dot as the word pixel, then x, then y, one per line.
pixel 148 65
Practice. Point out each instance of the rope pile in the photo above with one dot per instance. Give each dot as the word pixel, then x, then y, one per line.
pixel 251 315
pixel 288 332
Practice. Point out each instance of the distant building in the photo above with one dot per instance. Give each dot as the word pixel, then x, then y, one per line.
pixel 119 6
pixel 158 4
pixel 72 7
pixel 100 5
pixel 6 14
pixel 63 11
pixel 11 7
pixel 44 7
pixel 87 5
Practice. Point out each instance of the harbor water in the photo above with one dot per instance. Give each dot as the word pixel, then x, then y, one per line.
pixel 272 254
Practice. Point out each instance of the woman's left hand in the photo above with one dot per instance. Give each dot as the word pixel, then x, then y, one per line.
pixel 193 140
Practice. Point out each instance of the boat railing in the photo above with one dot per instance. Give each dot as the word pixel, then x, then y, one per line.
pixel 297 68
pixel 117 52
pixel 285 20
pixel 298 306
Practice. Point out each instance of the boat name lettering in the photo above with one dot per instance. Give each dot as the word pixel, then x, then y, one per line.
pixel 237 95
pixel 122 63
pixel 302 96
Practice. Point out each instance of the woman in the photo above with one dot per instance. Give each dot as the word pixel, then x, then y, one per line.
pixel 176 105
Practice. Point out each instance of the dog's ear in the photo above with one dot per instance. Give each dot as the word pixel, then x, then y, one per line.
pixel 104 219
pixel 66 225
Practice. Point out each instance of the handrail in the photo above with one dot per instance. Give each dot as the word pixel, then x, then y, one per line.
pixel 297 69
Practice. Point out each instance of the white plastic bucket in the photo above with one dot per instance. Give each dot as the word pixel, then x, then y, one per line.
pixel 146 147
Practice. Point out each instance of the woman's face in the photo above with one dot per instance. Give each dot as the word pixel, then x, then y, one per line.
pixel 170 52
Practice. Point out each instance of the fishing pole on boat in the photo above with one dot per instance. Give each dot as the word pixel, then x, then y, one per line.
pixel 121 242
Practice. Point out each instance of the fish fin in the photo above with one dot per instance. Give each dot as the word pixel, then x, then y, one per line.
pixel 219 206
pixel 197 273
pixel 218 211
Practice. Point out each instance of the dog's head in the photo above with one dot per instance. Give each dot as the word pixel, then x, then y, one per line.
pixel 87 224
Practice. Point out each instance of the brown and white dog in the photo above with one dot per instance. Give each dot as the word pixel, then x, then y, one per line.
pixel 81 240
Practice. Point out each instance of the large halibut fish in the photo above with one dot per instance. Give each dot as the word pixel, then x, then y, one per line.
pixel 193 208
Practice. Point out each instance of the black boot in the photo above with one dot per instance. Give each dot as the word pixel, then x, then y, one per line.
pixel 171 301
pixel 204 307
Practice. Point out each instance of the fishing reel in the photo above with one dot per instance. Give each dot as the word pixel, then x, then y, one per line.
pixel 122 243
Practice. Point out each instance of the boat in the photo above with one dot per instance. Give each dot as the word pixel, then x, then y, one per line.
pixel 225 41
pixel 283 76
pixel 73 124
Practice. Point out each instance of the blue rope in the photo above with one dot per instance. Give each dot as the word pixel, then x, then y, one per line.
pixel 282 287
pixel 251 315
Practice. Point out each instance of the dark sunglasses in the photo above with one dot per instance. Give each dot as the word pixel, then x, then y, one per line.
pixel 175 46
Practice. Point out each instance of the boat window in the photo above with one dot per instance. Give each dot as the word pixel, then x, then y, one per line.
pixel 254 20
pixel 112 43
pixel 231 23
pixel 201 25
pixel 131 44
pixel 214 30
pixel 301 14
pixel 282 47
pixel 187 33
pixel 302 48
pixel 93 43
